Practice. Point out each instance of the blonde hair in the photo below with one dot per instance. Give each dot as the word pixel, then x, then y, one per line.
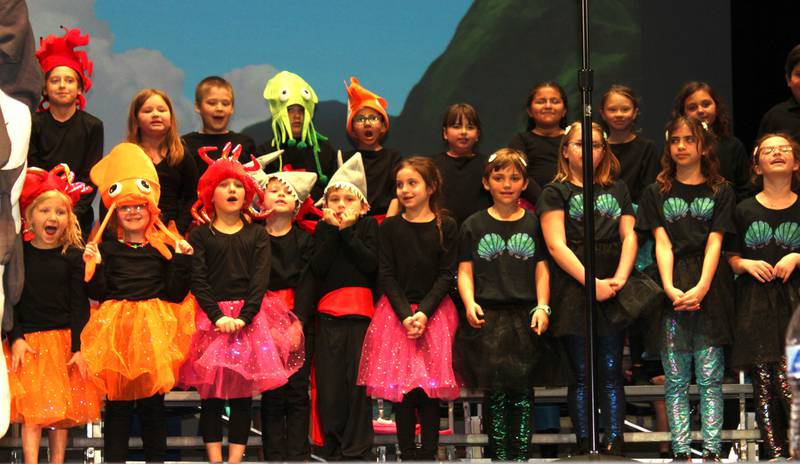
pixel 72 234
pixel 171 141
pixel 605 172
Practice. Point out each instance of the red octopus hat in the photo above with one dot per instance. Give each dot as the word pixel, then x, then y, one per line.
pixel 60 51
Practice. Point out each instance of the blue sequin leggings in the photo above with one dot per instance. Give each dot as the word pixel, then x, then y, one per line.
pixel 708 369
pixel 612 392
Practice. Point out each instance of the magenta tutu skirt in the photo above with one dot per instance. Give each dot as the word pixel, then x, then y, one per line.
pixel 393 365
pixel 257 358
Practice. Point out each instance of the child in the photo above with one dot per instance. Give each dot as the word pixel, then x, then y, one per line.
pixel 699 100
pixel 547 117
pixel 292 102
pixel 637 156
pixel 784 116
pixel 49 385
pixel 562 213
pixel 367 125
pixel 765 254
pixel 138 337
pixel 152 125
pixel 285 410
pixel 344 265
pixel 61 132
pixel 407 351
pixel 245 342
pixel 503 280
pixel 213 101
pixel 688 210
pixel 461 168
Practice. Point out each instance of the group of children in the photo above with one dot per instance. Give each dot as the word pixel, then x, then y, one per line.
pixel 408 280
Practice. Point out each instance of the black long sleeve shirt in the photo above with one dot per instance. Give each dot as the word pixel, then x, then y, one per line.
pixel 346 258
pixel 289 269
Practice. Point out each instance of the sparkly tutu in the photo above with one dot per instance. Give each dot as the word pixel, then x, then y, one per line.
pixel 47 392
pixel 257 358
pixel 763 312
pixel 393 364
pixel 135 348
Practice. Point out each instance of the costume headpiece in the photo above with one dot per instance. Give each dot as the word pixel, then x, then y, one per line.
pixel 300 183
pixel 226 167
pixel 39 181
pixel 60 51
pixel 350 176
pixel 358 98
pixel 282 91
pixel 126 176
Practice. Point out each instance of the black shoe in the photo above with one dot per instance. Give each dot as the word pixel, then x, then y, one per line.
pixel 615 447
pixel 711 457
pixel 682 457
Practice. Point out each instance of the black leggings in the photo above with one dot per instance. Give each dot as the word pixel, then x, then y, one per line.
pixel 118 428
pixel 405 413
pixel 238 425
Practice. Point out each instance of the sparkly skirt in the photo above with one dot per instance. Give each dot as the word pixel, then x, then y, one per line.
pixel 47 392
pixel 134 349
pixel 763 312
pixel 393 364
pixel 257 358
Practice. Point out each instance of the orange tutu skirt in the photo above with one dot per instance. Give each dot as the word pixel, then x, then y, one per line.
pixel 47 392
pixel 135 348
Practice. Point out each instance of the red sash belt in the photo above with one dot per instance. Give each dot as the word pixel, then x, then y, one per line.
pixel 348 301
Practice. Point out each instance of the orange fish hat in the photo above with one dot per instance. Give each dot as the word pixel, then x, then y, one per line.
pixel 358 98
pixel 60 51
pixel 126 176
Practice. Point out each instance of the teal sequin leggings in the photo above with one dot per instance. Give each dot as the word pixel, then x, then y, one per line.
pixel 510 425
pixel 709 368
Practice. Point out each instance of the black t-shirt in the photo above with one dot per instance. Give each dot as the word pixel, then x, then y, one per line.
pixel 734 165
pixel 53 296
pixel 417 263
pixel 302 159
pixel 765 234
pixel 345 258
pixel 639 164
pixel 227 267
pixel 610 203
pixel 504 256
pixel 290 254
pixel 196 140
pixel 542 155
pixel 462 190
pixel 783 117
pixel 178 190
pixel 688 213
pixel 378 166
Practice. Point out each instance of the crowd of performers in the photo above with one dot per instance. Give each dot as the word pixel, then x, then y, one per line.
pixel 409 278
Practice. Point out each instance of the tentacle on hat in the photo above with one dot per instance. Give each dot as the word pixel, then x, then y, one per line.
pixel 60 51
pixel 39 181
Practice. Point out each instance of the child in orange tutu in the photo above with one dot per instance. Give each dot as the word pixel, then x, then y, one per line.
pixel 136 340
pixel 48 377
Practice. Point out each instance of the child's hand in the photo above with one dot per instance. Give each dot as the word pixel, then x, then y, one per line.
pixel 239 324
pixel 674 294
pixel 760 270
pixel 182 247
pixel 540 321
pixel 80 363
pixel 347 219
pixel 603 290
pixel 18 351
pixel 616 283
pixel 690 301
pixel 420 322
pixel 225 324
pixel 330 217
pixel 475 315
pixel 785 267
pixel 92 253
pixel 411 327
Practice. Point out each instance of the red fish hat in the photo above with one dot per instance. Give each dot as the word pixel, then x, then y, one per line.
pixel 358 98
pixel 39 181
pixel 60 51
pixel 226 167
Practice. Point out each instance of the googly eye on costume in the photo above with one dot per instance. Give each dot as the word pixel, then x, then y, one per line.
pixel 306 94
pixel 143 185
pixel 284 95
pixel 115 189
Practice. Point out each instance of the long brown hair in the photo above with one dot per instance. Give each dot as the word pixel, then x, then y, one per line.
pixel 722 122
pixel 706 144
pixel 606 171
pixel 433 179
pixel 758 180
pixel 171 142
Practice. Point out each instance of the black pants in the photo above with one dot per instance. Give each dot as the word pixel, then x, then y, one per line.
pixel 345 410
pixel 117 428
pixel 285 414
pixel 405 413
pixel 238 425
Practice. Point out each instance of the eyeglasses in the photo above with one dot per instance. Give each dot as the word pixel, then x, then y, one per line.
pixel 372 119
pixel 770 150
pixel 579 145
pixel 132 208
pixel 688 140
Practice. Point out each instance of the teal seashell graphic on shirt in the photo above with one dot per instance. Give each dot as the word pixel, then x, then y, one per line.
pixel 521 246
pixel 608 206
pixel 702 208
pixel 491 246
pixel 575 209
pixel 787 235
pixel 758 235
pixel 675 208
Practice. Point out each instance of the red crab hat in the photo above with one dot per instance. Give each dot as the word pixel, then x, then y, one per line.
pixel 358 98
pixel 39 181
pixel 60 51
pixel 226 167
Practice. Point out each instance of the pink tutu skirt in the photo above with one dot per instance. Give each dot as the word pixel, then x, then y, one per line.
pixel 257 358
pixel 393 364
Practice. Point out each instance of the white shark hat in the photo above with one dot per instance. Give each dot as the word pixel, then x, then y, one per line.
pixel 300 183
pixel 350 176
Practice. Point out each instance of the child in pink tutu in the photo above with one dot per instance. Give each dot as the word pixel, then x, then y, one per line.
pixel 245 342
pixel 407 353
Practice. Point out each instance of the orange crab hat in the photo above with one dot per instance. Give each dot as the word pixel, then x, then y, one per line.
pixel 358 98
